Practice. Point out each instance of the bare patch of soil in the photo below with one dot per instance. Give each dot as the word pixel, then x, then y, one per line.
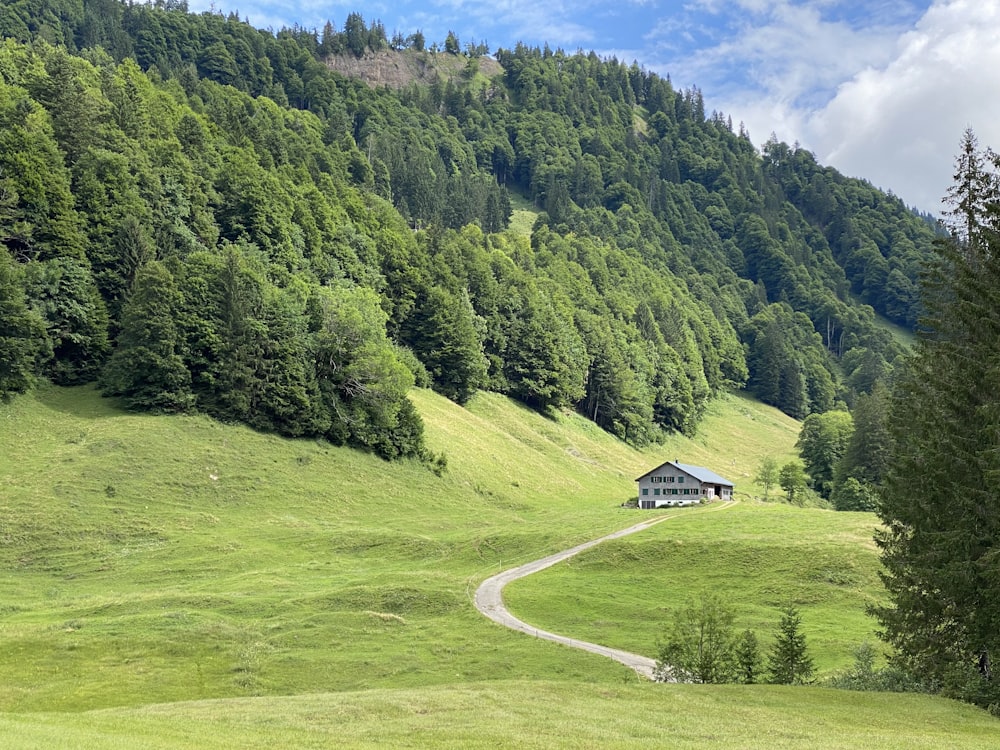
pixel 397 69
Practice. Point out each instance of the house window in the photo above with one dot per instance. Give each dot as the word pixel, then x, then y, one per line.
pixel 673 491
pixel 670 479
pixel 645 490
pixel 680 480
pixel 656 491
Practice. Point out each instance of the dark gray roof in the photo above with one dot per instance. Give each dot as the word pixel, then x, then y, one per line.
pixel 698 472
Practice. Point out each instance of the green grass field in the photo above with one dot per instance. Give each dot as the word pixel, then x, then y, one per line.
pixel 755 557
pixel 176 582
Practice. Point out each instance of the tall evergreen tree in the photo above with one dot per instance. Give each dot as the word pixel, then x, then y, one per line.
pixel 146 369
pixel 789 662
pixel 940 508
pixel 442 332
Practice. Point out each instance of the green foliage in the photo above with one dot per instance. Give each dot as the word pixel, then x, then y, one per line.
pixel 865 462
pixel 938 505
pixel 442 332
pixel 767 474
pixel 792 478
pixel 364 384
pixel 789 662
pixel 864 675
pixel 699 645
pixel 63 293
pixel 671 262
pixel 23 340
pixel 748 658
pixel 146 370
pixel 822 442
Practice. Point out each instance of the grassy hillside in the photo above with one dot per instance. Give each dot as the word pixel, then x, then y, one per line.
pixel 540 714
pixel 165 560
pixel 757 558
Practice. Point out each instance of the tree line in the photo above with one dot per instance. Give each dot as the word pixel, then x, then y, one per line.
pixel 151 146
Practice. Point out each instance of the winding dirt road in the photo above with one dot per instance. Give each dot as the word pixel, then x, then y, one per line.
pixel 489 600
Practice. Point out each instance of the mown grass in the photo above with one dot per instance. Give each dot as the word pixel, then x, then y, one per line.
pixel 156 559
pixel 523 215
pixel 260 590
pixel 526 714
pixel 756 557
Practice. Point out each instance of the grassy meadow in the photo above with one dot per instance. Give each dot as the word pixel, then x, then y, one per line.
pixel 177 582
pixel 755 557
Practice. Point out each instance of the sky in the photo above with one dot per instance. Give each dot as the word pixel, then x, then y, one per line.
pixel 878 89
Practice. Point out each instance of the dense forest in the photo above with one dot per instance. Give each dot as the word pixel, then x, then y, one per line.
pixel 199 215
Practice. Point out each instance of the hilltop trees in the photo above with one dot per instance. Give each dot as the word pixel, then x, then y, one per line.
pixel 667 261
pixel 939 506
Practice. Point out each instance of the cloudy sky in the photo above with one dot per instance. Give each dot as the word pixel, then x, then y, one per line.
pixel 880 89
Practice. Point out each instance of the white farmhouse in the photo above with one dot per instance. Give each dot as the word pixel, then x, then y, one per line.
pixel 674 483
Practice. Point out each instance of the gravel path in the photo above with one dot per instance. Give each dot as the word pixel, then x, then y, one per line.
pixel 489 600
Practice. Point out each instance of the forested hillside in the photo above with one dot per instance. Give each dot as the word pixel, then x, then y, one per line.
pixel 204 216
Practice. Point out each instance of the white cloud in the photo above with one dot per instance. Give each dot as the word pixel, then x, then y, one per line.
pixel 899 125
pixel 886 100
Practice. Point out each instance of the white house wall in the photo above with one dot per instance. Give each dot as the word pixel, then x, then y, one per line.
pixel 666 486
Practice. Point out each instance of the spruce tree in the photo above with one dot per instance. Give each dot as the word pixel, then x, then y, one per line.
pixel 748 658
pixel 789 662
pixel 940 508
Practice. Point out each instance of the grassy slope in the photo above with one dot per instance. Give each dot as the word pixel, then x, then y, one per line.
pixel 153 560
pixel 755 557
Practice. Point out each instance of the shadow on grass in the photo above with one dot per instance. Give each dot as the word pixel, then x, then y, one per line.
pixel 80 401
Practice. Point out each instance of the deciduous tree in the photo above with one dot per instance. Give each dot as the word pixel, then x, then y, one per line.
pixel 699 645
pixel 767 474
pixel 822 441
pixel 792 479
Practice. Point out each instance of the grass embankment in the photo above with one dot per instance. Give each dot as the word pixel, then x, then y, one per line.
pixel 174 559
pixel 540 715
pixel 755 557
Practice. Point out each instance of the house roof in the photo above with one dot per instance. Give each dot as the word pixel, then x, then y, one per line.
pixel 698 472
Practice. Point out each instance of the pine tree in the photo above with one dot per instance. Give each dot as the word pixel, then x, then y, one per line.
pixel 940 508
pixel 748 658
pixel 789 663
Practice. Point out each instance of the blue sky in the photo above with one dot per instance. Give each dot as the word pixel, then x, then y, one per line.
pixel 880 89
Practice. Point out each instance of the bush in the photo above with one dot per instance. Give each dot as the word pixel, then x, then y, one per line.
pixel 864 676
pixel 699 646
